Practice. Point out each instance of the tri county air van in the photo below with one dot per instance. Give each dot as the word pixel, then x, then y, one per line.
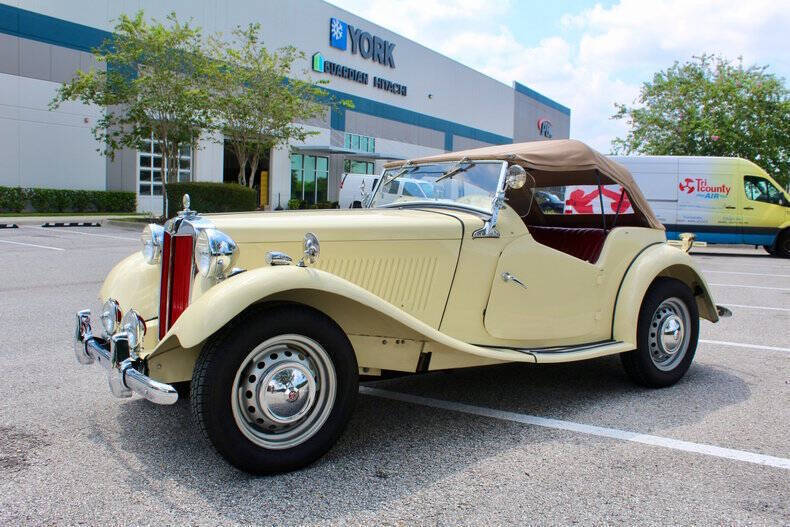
pixel 720 199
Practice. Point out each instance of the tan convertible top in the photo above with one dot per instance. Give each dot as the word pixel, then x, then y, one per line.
pixel 556 163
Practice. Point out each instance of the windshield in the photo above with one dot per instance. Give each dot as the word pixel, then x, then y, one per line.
pixel 473 184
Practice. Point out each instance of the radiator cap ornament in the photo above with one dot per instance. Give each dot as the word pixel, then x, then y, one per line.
pixel 186 212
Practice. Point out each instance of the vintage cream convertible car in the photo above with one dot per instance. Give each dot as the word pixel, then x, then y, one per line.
pixel 273 317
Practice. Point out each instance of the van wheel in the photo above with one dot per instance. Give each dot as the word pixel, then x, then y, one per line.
pixel 667 332
pixel 782 246
pixel 274 390
pixel 769 249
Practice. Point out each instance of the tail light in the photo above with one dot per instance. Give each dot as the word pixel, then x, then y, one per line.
pixel 176 279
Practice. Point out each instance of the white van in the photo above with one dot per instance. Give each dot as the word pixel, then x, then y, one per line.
pixel 354 187
pixel 720 199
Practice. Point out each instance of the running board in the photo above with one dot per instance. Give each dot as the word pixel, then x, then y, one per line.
pixel 578 352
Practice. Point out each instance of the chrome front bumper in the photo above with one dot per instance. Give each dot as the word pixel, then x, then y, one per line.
pixel 119 361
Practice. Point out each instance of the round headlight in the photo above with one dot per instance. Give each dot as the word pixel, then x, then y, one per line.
pixel 133 324
pixel 110 316
pixel 215 253
pixel 152 239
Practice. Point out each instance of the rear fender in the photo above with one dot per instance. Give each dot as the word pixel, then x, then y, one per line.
pixel 660 260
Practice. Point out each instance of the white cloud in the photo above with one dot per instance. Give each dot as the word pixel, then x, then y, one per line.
pixel 601 55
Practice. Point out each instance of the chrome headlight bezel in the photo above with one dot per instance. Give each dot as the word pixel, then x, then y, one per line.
pixel 152 238
pixel 110 316
pixel 134 325
pixel 215 253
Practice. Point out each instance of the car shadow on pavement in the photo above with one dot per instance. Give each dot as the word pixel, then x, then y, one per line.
pixel 392 450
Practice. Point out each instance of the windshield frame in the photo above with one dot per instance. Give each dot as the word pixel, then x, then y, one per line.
pixel 433 203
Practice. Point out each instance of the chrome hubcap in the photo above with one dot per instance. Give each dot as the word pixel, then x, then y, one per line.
pixel 669 338
pixel 284 391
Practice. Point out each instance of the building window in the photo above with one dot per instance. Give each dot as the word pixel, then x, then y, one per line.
pixel 352 166
pixel 309 176
pixel 151 166
pixel 360 143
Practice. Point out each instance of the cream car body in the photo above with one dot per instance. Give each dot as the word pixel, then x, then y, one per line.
pixel 417 286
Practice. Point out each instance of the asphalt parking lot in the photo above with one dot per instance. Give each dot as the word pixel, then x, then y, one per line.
pixel 461 447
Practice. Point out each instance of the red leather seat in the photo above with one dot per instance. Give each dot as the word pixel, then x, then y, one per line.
pixel 584 244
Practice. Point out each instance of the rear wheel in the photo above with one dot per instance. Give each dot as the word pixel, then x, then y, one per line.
pixel 667 332
pixel 274 390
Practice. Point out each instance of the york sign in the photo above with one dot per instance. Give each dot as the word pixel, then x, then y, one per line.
pixel 362 42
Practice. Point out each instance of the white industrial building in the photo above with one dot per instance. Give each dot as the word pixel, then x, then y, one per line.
pixel 408 100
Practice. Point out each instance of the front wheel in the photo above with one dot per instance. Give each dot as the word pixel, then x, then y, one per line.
pixel 274 390
pixel 667 333
pixel 782 247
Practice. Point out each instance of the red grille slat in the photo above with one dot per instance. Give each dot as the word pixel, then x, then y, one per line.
pixel 182 277
pixel 164 284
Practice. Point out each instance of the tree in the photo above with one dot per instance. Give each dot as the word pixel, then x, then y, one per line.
pixel 256 102
pixel 150 86
pixel 712 107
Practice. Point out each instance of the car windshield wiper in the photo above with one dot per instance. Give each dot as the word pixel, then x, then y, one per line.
pixel 401 172
pixel 456 169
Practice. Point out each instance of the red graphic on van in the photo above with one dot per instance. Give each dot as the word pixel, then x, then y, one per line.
pixel 687 185
pixel 581 203
pixel 701 185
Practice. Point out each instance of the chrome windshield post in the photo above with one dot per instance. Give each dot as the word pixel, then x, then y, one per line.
pixel 489 230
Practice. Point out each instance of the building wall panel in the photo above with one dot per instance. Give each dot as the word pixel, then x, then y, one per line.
pixel 9 54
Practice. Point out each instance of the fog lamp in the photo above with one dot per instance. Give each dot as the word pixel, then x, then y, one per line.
pixel 134 325
pixel 110 316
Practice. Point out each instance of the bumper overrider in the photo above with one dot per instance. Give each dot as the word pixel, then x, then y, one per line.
pixel 124 369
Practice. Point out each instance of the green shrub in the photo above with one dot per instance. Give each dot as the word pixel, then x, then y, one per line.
pixel 294 203
pixel 44 200
pixel 114 201
pixel 208 197
pixel 12 199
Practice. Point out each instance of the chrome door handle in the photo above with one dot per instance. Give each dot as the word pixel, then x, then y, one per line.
pixel 507 277
pixel 748 208
pixel 729 207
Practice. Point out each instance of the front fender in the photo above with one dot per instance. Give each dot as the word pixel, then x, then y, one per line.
pixel 356 310
pixel 660 260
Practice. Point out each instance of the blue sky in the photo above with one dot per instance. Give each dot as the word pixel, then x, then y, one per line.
pixel 585 54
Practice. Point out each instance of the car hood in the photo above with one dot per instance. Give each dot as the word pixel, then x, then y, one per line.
pixel 338 225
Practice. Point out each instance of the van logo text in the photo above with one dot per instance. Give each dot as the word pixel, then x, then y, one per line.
pixel 701 186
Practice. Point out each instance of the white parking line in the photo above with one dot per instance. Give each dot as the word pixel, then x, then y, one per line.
pixel 743 345
pixel 33 245
pixel 612 433
pixel 62 231
pixel 748 274
pixel 757 307
pixel 752 286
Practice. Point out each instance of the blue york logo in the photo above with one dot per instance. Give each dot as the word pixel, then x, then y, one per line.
pixel 368 46
pixel 338 31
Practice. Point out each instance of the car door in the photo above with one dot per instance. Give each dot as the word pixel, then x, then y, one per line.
pixel 764 209
pixel 541 294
